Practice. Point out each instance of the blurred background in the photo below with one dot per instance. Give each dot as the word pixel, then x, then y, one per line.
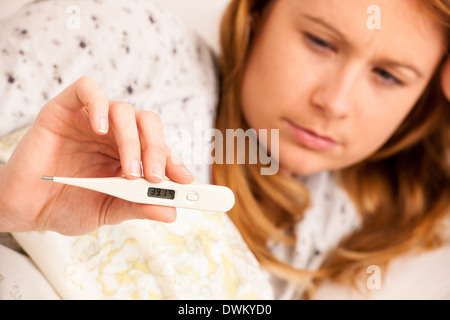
pixel 201 15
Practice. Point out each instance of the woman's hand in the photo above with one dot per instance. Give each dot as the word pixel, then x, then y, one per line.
pixel 82 134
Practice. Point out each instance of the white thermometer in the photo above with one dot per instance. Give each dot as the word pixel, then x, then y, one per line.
pixel 166 193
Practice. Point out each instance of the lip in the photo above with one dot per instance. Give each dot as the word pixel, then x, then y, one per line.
pixel 311 139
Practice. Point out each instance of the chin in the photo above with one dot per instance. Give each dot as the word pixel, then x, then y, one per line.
pixel 299 161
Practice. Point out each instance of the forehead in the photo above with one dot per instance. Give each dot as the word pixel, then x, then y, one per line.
pixel 405 29
pixel 398 19
pixel 392 11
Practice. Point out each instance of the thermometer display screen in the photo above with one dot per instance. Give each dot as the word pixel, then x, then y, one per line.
pixel 161 193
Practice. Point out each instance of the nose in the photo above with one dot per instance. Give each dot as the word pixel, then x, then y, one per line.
pixel 334 95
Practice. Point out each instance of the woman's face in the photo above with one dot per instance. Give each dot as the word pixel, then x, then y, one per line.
pixel 335 88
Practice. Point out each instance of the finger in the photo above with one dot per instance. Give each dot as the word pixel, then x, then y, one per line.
pixel 445 78
pixel 123 125
pixel 121 210
pixel 153 146
pixel 176 170
pixel 156 213
pixel 85 92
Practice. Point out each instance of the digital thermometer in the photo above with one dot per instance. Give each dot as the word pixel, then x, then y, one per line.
pixel 166 193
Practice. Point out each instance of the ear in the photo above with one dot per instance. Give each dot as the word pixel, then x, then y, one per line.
pixel 445 79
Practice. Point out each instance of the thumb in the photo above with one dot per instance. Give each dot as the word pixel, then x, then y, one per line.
pixel 121 210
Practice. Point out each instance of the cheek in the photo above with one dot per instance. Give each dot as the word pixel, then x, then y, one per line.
pixel 274 84
pixel 372 127
pixel 259 83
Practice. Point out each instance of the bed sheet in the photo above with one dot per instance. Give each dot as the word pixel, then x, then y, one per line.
pixel 200 256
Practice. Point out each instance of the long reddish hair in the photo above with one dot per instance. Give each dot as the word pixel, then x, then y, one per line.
pixel 402 192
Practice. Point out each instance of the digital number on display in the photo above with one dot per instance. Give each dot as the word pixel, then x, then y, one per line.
pixel 161 193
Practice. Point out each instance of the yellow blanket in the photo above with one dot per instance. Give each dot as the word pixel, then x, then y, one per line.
pixel 200 256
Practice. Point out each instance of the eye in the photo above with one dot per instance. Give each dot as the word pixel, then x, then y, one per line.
pixel 387 78
pixel 318 43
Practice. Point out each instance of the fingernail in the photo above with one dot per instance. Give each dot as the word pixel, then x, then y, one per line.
pixel 185 171
pixel 103 125
pixel 135 168
pixel 175 159
pixel 158 171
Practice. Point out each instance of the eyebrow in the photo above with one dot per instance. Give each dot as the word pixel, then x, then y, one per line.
pixel 405 66
pixel 326 25
pixel 344 39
